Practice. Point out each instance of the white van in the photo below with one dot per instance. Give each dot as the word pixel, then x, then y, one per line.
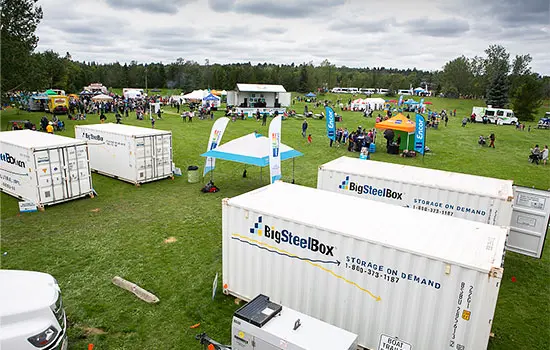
pixel 383 91
pixel 31 312
pixel 501 116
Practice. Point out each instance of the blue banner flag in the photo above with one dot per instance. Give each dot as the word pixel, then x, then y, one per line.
pixel 420 134
pixel 400 101
pixel 331 123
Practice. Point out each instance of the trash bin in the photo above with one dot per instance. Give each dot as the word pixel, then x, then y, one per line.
pixel 372 148
pixel 193 174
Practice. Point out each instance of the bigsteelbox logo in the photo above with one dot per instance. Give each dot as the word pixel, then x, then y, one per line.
pixel 6 157
pixel 92 136
pixel 348 185
pixel 286 236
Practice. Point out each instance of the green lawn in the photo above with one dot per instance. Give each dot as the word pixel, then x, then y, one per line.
pixel 84 243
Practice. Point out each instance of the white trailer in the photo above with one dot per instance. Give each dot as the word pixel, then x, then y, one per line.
pixel 389 274
pixel 42 168
pixel 476 198
pixel 129 153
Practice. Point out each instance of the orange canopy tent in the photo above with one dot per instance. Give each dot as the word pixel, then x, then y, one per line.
pixel 399 122
pixel 404 127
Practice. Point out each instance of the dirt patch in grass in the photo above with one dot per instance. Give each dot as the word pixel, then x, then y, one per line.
pixel 170 240
pixel 89 331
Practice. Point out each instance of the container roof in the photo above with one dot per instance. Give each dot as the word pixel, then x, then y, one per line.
pixel 464 183
pixel 128 130
pixel 260 88
pixel 36 139
pixel 461 242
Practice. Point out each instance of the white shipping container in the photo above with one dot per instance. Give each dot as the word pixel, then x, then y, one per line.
pixel 465 196
pixel 43 168
pixel 389 274
pixel 130 153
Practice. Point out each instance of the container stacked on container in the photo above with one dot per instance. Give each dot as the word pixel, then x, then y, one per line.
pixel 43 168
pixel 389 274
pixel 129 153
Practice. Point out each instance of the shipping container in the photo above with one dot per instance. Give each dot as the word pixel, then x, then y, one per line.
pixel 387 273
pixel 129 153
pixel 465 196
pixel 43 168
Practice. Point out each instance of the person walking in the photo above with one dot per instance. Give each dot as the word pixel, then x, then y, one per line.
pixel 447 119
pixel 545 155
pixel 264 119
pixel 492 138
pixel 304 128
pixel 464 121
pixel 153 122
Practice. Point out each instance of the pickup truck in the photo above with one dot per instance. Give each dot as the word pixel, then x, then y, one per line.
pixel 31 312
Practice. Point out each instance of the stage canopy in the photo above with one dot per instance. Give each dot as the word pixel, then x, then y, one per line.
pixel 250 149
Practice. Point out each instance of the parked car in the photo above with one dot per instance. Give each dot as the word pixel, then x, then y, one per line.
pixel 31 312
pixel 544 123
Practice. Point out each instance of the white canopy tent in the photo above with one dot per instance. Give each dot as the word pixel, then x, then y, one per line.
pixel 196 95
pixel 375 103
pixel 102 98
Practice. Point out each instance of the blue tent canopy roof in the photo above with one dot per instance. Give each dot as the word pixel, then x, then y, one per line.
pixel 250 149
pixel 211 97
pixel 311 94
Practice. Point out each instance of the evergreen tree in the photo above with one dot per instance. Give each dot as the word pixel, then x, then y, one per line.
pixel 497 93
pixel 18 22
pixel 497 66
pixel 527 97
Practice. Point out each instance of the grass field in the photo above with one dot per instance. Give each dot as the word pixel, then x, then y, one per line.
pixel 84 243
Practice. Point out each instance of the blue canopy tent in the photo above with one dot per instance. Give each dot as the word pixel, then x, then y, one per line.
pixel 310 94
pixel 252 149
pixel 411 102
pixel 211 98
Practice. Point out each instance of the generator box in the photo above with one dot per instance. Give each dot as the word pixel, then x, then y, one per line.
pixel 264 325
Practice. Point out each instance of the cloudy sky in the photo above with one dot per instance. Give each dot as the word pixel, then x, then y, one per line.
pixel 357 33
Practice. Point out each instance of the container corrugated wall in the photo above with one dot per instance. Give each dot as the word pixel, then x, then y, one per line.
pixel 135 159
pixel 365 288
pixel 47 175
pixel 470 206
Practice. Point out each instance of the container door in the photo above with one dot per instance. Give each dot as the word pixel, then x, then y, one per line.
pixel 52 186
pixel 162 156
pixel 530 218
pixel 144 158
pixel 77 172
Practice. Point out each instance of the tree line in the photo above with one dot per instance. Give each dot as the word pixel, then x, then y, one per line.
pixel 499 80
